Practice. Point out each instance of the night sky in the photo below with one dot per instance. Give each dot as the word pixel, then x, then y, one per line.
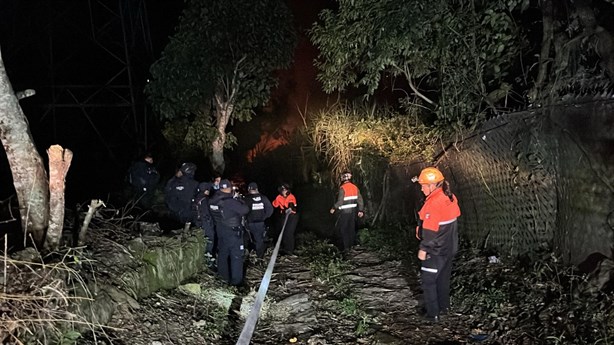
pixel 66 50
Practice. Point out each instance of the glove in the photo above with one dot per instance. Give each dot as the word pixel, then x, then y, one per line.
pixel 288 210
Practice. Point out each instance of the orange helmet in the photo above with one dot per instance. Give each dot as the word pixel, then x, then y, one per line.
pixel 430 175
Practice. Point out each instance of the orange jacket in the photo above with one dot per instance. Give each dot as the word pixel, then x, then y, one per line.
pixel 438 209
pixel 438 215
pixel 283 203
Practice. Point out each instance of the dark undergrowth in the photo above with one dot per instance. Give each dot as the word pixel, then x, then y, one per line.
pixel 536 299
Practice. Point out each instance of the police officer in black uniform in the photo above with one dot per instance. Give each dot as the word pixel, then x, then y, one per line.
pixel 143 178
pixel 260 209
pixel 180 191
pixel 205 221
pixel 227 213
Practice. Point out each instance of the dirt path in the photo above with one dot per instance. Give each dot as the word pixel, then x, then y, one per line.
pixel 313 314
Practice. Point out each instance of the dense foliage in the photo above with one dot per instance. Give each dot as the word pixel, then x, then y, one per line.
pixel 219 65
pixel 463 60
pixel 451 54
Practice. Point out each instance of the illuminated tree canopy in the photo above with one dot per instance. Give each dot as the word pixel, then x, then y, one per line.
pixel 218 66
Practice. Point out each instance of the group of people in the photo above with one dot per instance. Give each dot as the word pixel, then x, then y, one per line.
pixel 226 217
pixel 233 224
pixel 437 232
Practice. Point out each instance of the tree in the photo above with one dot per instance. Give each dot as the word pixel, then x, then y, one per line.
pixel 29 175
pixel 218 66
pixel 462 59
pixel 577 49
pixel 452 54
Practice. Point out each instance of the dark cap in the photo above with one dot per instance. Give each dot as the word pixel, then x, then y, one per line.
pixel 203 186
pixel 252 185
pixel 283 187
pixel 224 184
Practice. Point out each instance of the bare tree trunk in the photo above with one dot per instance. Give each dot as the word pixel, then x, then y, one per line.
pixel 544 57
pixel 29 175
pixel 59 163
pixel 223 111
pixel 94 205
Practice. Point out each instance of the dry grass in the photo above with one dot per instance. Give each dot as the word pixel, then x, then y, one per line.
pixel 344 134
pixel 40 302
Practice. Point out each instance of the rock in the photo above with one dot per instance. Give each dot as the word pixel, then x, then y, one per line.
pixel 137 245
pixel 27 255
pixel 317 340
pixel 297 302
pixel 193 289
pixel 199 323
pixel 156 343
pixel 121 297
pixel 149 229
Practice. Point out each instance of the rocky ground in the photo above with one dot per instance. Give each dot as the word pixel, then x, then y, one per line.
pixel 317 297
pixel 301 308
pixel 388 298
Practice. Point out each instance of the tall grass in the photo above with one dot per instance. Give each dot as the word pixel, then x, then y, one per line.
pixel 345 134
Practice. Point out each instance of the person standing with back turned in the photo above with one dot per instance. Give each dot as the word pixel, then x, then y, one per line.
pixel 227 213
pixel 438 235
pixel 349 205
pixel 143 177
pixel 260 209
pixel 180 191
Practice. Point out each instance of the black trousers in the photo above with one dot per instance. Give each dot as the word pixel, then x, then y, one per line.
pixel 435 275
pixel 230 254
pixel 209 231
pixel 258 230
pixel 287 241
pixel 346 229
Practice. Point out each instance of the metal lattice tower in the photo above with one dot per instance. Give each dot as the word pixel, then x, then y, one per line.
pixel 87 61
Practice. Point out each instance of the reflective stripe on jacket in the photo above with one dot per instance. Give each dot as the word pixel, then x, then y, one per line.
pixel 439 226
pixel 350 196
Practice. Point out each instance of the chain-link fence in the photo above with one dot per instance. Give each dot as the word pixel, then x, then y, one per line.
pixel 540 178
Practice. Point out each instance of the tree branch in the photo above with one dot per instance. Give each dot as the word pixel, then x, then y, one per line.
pixel 413 87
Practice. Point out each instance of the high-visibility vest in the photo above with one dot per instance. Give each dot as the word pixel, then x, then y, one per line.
pixel 350 196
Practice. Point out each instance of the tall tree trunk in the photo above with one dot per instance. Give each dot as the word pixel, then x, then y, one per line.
pixel 29 175
pixel 223 112
pixel 544 57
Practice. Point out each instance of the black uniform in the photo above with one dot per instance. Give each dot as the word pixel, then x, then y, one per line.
pixel 260 209
pixel 203 217
pixel 179 194
pixel 227 213
pixel 143 178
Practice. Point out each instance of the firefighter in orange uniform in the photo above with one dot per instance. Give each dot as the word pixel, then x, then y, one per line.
pixel 349 205
pixel 438 235
pixel 285 203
